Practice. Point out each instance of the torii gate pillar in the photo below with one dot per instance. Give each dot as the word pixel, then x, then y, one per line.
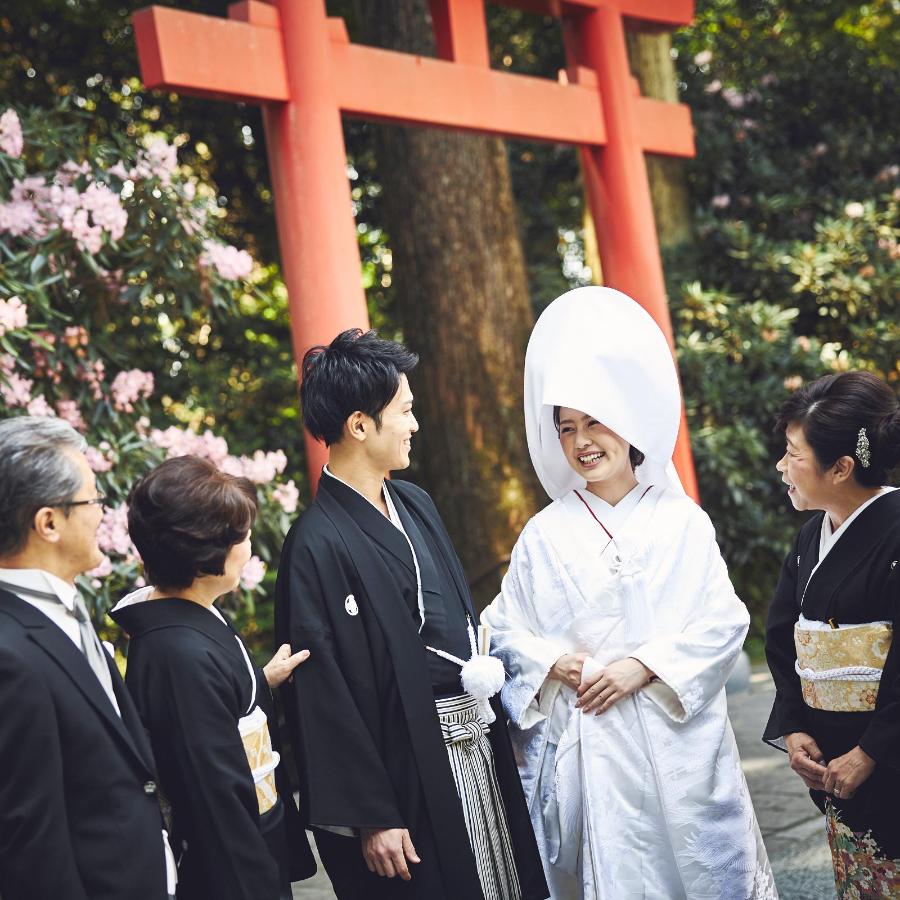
pixel 618 187
pixel 313 207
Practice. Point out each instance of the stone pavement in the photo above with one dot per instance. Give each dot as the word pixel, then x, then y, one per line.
pixel 791 825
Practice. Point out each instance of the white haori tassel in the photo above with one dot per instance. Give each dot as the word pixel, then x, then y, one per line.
pixel 482 676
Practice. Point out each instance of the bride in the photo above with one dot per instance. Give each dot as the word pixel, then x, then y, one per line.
pixel 618 627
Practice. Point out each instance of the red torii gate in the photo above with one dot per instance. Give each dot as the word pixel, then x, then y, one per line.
pixel 300 66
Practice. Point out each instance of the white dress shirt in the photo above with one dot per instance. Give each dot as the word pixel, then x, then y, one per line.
pixel 39 580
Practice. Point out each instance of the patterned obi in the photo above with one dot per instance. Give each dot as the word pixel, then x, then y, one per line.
pixel 254 729
pixel 840 667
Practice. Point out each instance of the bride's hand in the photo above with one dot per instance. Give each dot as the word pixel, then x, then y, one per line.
pixel 613 683
pixel 567 669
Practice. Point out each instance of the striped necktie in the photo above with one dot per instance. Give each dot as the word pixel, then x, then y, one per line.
pixel 90 643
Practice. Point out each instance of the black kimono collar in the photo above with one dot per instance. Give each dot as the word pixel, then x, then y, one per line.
pixel 373 522
pixel 173 612
pixel 864 535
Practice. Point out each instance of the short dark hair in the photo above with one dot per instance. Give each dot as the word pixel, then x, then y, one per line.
pixel 832 410
pixel 635 457
pixel 357 371
pixel 184 516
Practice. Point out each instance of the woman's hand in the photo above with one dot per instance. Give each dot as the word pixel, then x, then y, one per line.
pixel 616 681
pixel 806 759
pixel 281 666
pixel 844 775
pixel 567 669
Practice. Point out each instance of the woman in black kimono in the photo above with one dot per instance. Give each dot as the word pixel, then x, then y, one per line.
pixel 830 633
pixel 207 708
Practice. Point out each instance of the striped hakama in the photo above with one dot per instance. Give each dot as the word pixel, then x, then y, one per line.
pixel 472 763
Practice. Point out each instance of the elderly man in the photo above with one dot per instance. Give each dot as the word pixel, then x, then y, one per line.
pixel 79 814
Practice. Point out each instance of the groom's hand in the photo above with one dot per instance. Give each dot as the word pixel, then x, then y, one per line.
pixel 386 851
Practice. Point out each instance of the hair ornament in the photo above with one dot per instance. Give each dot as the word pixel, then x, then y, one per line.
pixel 862 449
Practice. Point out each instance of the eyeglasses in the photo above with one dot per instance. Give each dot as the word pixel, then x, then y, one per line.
pixel 96 501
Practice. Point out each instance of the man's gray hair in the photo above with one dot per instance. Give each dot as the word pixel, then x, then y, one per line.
pixel 34 472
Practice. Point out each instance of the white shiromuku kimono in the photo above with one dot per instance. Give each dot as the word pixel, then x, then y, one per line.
pixel 647 800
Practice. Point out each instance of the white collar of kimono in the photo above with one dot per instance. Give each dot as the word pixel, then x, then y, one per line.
pixel 394 516
pixel 614 516
pixel 828 538
pixel 596 350
pixel 392 510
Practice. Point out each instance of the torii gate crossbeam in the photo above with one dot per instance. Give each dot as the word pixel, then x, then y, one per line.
pixel 301 67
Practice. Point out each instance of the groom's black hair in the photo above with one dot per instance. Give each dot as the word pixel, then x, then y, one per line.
pixel 357 371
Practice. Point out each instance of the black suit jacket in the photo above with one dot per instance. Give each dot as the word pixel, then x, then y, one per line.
pixel 79 815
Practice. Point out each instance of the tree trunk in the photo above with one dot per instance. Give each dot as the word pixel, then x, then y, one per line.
pixel 651 61
pixel 461 289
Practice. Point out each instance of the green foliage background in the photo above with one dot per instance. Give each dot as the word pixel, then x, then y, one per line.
pixel 791 271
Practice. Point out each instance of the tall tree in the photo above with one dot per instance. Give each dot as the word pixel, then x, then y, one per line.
pixel 462 297
pixel 651 60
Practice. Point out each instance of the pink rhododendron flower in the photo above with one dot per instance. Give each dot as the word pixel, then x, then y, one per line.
pixel 106 209
pixel 66 202
pixel 181 442
pixel 119 170
pixel 105 568
pixel 92 374
pixel 129 387
pixel 261 468
pixel 162 158
pixel 40 407
pixel 20 217
pixel 253 573
pixel 11 141
pixel 703 58
pixel 88 237
pixel 733 97
pixel 721 201
pixel 287 495
pixel 231 465
pixel 854 210
pixel 231 263
pixel 96 460
pixel 15 390
pixel 68 411
pixel 112 535
pixel 13 315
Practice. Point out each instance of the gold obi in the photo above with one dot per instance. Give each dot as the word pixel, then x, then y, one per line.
pixel 840 668
pixel 254 729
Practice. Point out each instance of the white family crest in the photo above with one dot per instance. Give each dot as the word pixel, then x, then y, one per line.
pixel 351 605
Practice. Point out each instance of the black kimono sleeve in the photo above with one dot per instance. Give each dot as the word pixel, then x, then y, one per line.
pixel 332 702
pixel 881 739
pixel 36 854
pixel 789 709
pixel 189 708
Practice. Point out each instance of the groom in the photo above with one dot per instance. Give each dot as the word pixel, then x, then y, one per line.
pixel 409 792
